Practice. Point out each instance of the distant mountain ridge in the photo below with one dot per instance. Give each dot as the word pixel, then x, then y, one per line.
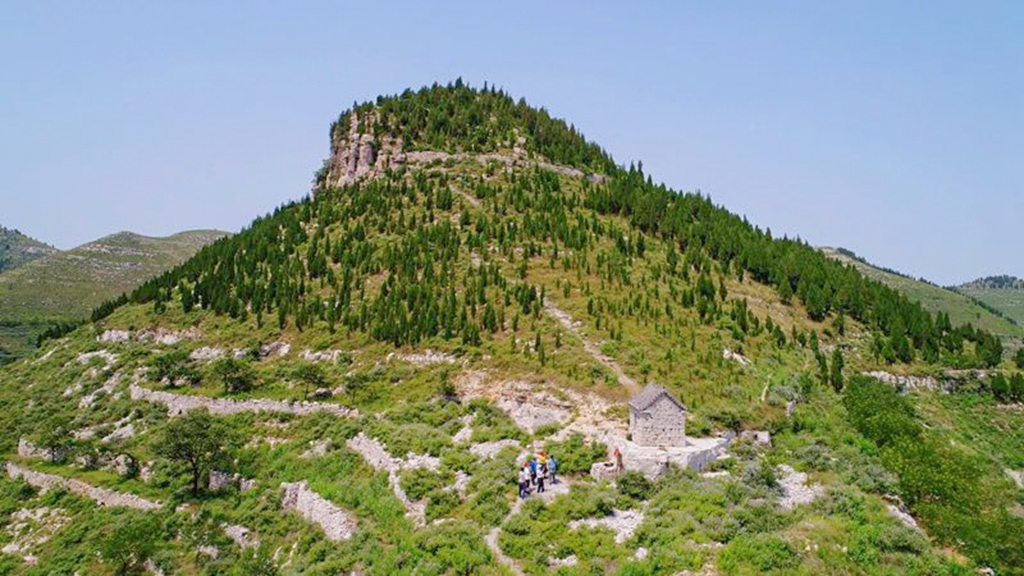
pixel 64 286
pixel 17 249
pixel 1003 293
pixel 963 306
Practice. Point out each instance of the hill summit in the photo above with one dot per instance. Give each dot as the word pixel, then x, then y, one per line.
pixel 357 381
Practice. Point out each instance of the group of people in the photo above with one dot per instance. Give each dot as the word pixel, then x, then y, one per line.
pixel 535 471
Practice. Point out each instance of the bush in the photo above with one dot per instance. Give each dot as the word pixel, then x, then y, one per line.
pixel 758 555
pixel 574 455
pixel 233 374
pixel 635 485
pixel 418 482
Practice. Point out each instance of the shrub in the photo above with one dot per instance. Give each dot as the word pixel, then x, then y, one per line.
pixel 574 455
pixel 418 482
pixel 635 485
pixel 233 374
pixel 759 554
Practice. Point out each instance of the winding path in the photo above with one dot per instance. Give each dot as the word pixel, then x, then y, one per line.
pixel 567 322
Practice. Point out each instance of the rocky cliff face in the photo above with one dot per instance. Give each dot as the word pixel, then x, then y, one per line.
pixel 359 152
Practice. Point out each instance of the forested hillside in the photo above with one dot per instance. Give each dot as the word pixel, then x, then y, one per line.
pixel 349 384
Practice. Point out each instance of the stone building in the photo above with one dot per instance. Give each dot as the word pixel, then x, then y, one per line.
pixel 656 418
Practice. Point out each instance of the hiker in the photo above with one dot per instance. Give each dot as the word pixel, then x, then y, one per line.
pixel 533 471
pixel 617 456
pixel 524 481
pixel 540 478
pixel 552 468
pixel 542 458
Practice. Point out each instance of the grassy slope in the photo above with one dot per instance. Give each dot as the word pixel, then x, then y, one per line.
pixel 1009 301
pixel 961 309
pixel 17 249
pixel 65 286
pixel 691 516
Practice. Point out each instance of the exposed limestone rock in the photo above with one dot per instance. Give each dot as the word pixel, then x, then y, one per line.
pixel 317 448
pixel 425 358
pixel 30 528
pixel 623 522
pixel 1016 475
pixel 336 523
pixel 758 437
pixel 115 336
pixel 894 505
pixel 101 496
pixel 179 403
pixel 120 433
pixel 206 353
pixel 108 357
pixel 242 536
pixel 489 450
pixel 275 349
pixel 220 480
pixel 321 356
pixel 735 357
pixel 108 389
pixel 907 383
pixel 167 337
pixel 795 490
pixel 569 560
pixel 27 449
pixel 463 435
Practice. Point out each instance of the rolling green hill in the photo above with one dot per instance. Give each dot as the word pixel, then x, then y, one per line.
pixel 17 249
pixel 1003 293
pixel 66 286
pixel 960 307
pixel 349 385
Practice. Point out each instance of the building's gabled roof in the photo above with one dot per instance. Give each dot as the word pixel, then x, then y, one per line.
pixel 650 395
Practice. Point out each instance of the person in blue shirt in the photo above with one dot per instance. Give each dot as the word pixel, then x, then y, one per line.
pixel 552 468
pixel 533 470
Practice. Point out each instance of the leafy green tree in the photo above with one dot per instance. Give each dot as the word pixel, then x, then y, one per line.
pixel 198 442
pixel 311 375
pixel 132 540
pixel 175 368
pixel 1018 358
pixel 235 375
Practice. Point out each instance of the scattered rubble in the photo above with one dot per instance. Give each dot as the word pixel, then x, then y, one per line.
pixel 336 523
pixel 180 403
pixel 795 490
pixel 424 359
pixel 623 522
pixel 317 448
pixel 740 359
pixel 155 335
pixel 30 528
pixel 1016 475
pixel 101 496
pixel 489 450
pixel 275 349
pixel 242 536
pixel 894 505
pixel 321 356
pixel 206 353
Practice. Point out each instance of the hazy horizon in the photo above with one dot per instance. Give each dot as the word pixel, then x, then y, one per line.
pixel 892 131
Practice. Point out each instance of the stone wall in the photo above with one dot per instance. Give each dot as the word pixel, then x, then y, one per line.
pixel 336 523
pixel 661 424
pixel 101 496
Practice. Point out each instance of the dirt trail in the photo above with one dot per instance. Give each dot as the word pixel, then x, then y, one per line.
pixel 553 491
pixel 569 324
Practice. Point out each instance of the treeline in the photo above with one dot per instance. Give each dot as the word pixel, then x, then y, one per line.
pixel 795 270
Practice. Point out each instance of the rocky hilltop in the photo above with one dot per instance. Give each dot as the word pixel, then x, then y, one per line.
pixel 354 383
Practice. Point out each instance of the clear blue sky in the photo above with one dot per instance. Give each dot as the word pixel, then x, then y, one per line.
pixel 895 129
